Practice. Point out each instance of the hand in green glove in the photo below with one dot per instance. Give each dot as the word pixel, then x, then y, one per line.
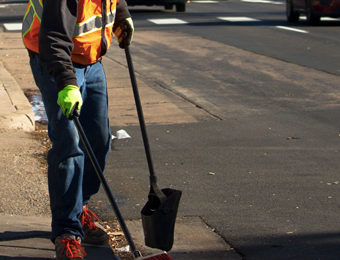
pixel 124 32
pixel 67 99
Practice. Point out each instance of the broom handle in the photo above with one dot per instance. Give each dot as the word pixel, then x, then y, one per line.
pixel 139 110
pixel 106 187
pixel 153 181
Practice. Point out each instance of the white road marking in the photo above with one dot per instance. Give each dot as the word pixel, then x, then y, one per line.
pixel 263 2
pixel 329 19
pixel 322 18
pixel 291 29
pixel 13 26
pixel 167 21
pixel 2 6
pixel 238 19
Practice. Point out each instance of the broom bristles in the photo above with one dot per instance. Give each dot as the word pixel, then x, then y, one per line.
pixel 163 256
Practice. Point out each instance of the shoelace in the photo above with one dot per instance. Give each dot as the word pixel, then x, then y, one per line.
pixel 72 247
pixel 87 217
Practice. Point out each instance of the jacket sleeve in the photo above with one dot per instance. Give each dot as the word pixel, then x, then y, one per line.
pixel 55 40
pixel 122 13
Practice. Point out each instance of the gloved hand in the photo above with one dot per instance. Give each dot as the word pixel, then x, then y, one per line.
pixel 67 99
pixel 124 32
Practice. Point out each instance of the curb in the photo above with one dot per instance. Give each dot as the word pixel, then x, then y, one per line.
pixel 27 237
pixel 193 239
pixel 16 111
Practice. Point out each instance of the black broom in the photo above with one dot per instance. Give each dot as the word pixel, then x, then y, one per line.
pixel 136 253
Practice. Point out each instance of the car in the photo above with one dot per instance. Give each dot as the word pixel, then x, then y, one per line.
pixel 168 4
pixel 314 10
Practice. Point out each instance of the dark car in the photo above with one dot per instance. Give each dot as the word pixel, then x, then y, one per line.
pixel 168 4
pixel 314 9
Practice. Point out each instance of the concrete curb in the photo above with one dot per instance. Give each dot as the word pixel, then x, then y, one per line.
pixel 25 237
pixel 16 111
pixel 193 239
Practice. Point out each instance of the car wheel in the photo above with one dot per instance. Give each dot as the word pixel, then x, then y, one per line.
pixel 180 8
pixel 292 16
pixel 312 19
pixel 169 7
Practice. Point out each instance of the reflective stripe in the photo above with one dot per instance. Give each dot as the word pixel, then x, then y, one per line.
pixel 93 24
pixel 111 17
pixel 28 20
pixel 36 9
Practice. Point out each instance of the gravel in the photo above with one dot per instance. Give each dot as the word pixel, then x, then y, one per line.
pixel 24 188
pixel 23 175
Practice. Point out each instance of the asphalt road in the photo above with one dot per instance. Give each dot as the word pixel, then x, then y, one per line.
pixel 263 171
pixel 268 34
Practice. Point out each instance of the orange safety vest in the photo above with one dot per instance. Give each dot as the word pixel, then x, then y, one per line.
pixel 87 34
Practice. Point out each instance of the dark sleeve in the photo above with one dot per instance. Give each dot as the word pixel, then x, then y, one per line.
pixel 55 40
pixel 122 12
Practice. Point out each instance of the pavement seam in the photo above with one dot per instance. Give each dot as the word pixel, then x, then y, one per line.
pixel 224 239
pixel 157 83
pixel 166 87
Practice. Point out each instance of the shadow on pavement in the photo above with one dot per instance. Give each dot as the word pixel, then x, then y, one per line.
pixel 23 258
pixel 11 235
pixel 309 246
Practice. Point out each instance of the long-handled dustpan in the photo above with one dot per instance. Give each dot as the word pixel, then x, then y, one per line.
pixel 159 213
pixel 136 254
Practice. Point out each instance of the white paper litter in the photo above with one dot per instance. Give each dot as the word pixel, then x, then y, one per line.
pixel 121 134
pixel 124 249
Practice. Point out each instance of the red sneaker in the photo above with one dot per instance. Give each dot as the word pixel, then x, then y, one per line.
pixel 93 233
pixel 68 247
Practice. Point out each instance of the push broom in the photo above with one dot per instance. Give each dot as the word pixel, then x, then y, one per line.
pixel 159 214
pixel 136 253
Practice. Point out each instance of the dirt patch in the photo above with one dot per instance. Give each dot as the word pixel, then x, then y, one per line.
pixel 41 134
pixel 117 242
pixel 24 189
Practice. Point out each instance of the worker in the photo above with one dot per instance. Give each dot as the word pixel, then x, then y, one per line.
pixel 66 40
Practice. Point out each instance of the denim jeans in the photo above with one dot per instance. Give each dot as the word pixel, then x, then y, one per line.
pixel 71 177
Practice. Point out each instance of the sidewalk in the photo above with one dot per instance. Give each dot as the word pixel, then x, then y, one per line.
pixel 27 237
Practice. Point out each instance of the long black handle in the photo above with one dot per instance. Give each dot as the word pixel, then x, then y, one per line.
pixel 139 110
pixel 153 182
pixel 106 187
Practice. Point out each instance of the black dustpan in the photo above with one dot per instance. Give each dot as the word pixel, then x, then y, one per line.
pixel 159 223
pixel 159 213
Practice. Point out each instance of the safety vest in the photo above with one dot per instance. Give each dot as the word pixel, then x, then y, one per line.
pixel 92 33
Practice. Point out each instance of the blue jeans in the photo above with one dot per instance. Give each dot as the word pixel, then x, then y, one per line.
pixel 71 177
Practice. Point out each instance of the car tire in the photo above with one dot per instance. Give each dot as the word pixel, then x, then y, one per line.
pixel 292 16
pixel 312 19
pixel 180 7
pixel 168 7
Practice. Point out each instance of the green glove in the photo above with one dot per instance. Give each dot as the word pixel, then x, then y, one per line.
pixel 67 99
pixel 124 32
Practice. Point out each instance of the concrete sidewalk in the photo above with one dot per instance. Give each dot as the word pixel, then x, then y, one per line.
pixel 15 110
pixel 27 237
pixel 24 237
